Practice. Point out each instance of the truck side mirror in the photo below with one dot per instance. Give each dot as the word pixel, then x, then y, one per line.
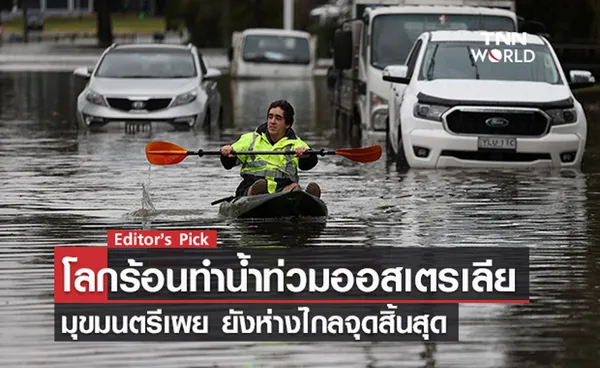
pixel 396 74
pixel 342 49
pixel 581 79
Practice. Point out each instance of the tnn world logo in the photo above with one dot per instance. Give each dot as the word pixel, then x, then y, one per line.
pixel 497 54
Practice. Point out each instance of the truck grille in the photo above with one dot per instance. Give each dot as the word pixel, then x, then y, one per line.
pixel 521 123
pixel 152 104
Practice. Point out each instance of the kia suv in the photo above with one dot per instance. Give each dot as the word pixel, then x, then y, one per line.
pixel 150 84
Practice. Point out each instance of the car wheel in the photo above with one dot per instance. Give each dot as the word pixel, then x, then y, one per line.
pixel 389 150
pixel 401 162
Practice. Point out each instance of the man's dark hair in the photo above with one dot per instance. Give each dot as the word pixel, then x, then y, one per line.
pixel 288 110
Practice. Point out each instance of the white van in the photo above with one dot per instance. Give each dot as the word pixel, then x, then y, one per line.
pixel 272 53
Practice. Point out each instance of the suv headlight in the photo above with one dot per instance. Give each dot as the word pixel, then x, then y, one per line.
pixel 185 98
pixel 429 112
pixel 562 116
pixel 95 98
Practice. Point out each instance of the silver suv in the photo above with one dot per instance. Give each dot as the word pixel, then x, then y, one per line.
pixel 149 84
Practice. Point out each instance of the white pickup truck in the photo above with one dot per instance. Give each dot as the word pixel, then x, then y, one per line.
pixel 382 32
pixel 463 100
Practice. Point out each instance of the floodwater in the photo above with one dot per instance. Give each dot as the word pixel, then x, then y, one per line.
pixel 63 186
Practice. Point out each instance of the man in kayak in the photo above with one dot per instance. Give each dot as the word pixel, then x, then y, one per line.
pixel 271 173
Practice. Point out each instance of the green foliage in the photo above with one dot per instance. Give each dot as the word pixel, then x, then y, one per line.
pixel 174 15
pixel 210 26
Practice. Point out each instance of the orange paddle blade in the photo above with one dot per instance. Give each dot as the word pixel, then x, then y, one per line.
pixel 363 154
pixel 165 153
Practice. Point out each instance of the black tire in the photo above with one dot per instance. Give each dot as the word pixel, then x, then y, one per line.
pixel 401 162
pixel 389 150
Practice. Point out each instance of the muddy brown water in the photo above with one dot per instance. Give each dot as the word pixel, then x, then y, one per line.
pixel 63 186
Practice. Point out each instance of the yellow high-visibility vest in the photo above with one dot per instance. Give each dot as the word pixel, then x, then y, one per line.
pixel 270 167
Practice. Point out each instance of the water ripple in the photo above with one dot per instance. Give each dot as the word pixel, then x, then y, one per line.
pixel 64 187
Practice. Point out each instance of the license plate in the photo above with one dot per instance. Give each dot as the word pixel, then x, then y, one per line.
pixel 499 143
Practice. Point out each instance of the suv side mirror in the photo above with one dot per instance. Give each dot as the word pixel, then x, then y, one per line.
pixel 342 49
pixel 212 74
pixel 396 74
pixel 82 72
pixel 581 79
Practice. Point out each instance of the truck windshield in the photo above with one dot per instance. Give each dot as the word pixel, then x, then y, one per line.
pixel 475 60
pixel 276 49
pixel 393 35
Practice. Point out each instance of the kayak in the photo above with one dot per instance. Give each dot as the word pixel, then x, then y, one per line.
pixel 295 203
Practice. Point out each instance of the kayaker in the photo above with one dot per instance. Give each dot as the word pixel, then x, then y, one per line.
pixel 271 173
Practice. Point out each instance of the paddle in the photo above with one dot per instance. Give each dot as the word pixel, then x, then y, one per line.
pixel 165 153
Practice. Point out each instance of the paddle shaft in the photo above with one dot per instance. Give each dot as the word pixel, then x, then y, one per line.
pixel 165 153
pixel 201 153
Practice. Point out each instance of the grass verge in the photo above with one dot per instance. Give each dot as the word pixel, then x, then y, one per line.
pixel 87 23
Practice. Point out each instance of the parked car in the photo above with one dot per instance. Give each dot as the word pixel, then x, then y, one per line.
pixel 272 53
pixel 35 22
pixel 150 84
pixel 450 108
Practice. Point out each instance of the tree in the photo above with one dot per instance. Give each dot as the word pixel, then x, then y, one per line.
pixel 211 22
pixel 104 32
pixel 6 4
pixel 595 26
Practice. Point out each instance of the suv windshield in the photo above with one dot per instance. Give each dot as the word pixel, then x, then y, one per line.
pixel 147 63
pixel 393 35
pixel 276 49
pixel 473 60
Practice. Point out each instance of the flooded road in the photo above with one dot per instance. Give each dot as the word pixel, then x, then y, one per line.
pixel 63 186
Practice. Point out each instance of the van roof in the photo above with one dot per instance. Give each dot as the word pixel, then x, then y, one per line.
pixel 275 32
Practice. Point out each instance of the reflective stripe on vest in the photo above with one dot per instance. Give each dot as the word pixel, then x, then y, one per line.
pixel 288 172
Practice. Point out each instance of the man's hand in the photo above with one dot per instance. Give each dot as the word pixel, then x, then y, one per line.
pixel 300 152
pixel 227 151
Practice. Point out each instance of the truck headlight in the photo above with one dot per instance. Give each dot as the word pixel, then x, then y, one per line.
pixel 429 112
pixel 95 98
pixel 379 116
pixel 562 116
pixel 185 98
pixel 377 100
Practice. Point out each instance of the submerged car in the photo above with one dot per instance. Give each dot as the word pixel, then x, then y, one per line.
pixel 272 54
pixel 150 84
pixel 459 102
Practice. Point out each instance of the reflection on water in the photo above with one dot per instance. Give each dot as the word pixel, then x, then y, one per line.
pixel 61 186
pixel 251 98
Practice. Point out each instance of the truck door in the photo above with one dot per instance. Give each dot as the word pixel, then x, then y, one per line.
pixel 398 90
pixel 236 52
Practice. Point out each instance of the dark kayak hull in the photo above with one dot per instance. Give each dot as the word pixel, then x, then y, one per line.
pixel 296 203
